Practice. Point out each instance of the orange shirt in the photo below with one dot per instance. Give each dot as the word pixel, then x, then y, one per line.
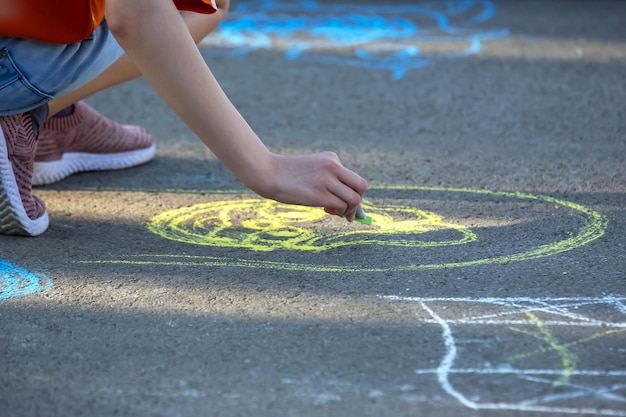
pixel 64 21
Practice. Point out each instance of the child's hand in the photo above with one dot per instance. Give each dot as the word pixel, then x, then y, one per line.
pixel 317 180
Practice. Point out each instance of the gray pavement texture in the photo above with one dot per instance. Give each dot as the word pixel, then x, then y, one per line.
pixel 490 284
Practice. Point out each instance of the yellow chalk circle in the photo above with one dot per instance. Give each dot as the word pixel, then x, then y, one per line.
pixel 265 225
pixel 400 230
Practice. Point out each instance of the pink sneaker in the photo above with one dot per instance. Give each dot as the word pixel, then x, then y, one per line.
pixel 87 141
pixel 21 213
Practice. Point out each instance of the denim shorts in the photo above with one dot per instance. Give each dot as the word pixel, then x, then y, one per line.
pixel 32 73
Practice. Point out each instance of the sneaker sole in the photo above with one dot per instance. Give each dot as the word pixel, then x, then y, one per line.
pixel 74 162
pixel 13 217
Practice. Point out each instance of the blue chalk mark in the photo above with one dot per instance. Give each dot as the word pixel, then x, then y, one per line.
pixel 381 37
pixel 16 281
pixel 353 29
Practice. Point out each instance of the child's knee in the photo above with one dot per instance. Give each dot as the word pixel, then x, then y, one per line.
pixel 222 7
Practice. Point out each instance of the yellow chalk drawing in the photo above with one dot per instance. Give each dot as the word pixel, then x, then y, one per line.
pixel 567 345
pixel 265 225
pixel 260 225
pixel 568 359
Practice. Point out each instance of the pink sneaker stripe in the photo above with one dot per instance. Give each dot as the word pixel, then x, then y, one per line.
pixel 20 212
pixel 87 131
pixel 83 141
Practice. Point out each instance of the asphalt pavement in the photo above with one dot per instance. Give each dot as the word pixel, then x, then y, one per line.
pixel 490 283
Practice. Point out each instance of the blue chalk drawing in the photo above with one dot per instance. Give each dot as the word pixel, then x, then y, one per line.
pixel 388 37
pixel 16 281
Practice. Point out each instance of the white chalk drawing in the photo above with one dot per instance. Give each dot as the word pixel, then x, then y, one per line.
pixel 552 330
pixel 389 37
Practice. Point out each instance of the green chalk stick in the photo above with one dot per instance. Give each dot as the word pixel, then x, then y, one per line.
pixel 362 217
pixel 366 220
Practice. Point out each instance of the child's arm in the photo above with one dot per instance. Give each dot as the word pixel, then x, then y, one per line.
pixel 155 37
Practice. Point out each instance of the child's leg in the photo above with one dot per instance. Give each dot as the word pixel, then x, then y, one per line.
pixel 80 139
pixel 32 73
pixel 123 69
pixel 27 90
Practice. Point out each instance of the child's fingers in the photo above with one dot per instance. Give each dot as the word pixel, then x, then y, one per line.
pixel 349 188
pixel 353 180
pixel 350 199
pixel 360 213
